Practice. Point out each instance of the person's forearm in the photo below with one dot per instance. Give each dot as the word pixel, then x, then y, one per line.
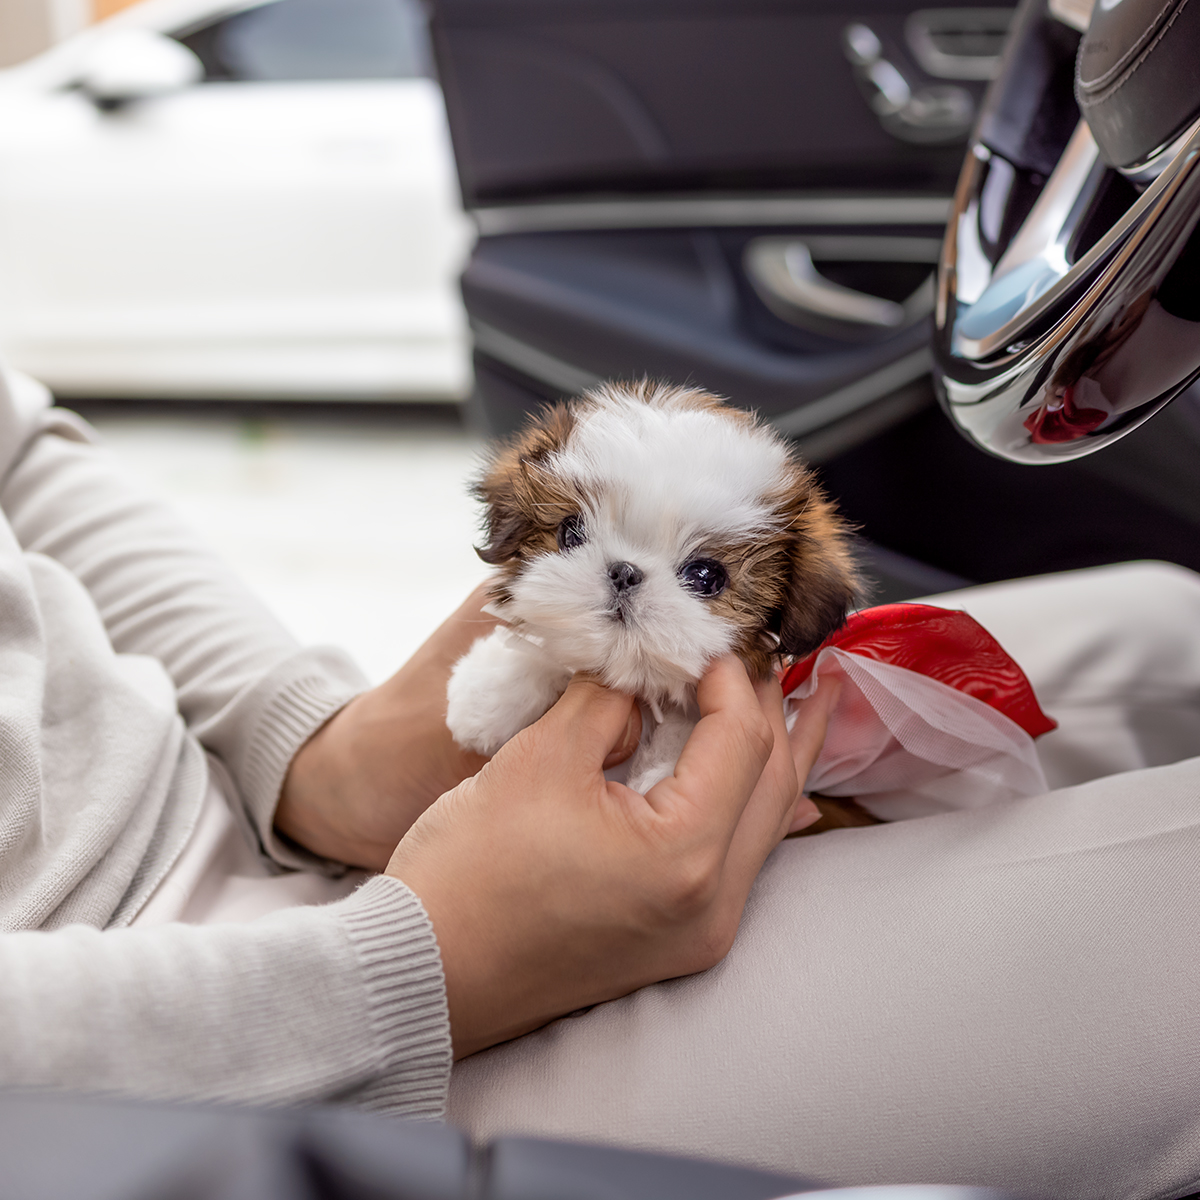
pixel 311 1003
pixel 247 690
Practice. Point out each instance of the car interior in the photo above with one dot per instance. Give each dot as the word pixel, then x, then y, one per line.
pixel 642 211
pixel 751 196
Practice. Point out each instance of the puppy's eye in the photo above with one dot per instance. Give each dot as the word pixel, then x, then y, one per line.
pixel 571 533
pixel 704 576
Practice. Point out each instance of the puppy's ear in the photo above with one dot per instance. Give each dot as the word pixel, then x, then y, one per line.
pixel 823 582
pixel 513 485
pixel 506 523
pixel 819 597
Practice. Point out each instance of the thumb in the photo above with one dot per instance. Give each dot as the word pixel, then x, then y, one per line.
pixel 807 735
pixel 594 723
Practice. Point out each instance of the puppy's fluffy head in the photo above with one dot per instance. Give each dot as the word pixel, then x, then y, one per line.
pixel 643 530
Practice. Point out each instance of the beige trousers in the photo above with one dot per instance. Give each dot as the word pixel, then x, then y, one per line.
pixel 1008 996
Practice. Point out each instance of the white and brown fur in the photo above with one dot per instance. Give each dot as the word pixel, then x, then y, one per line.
pixel 655 478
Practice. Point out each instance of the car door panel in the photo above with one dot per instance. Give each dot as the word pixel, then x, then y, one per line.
pixel 618 186
pixel 741 194
pixel 667 305
pixel 552 98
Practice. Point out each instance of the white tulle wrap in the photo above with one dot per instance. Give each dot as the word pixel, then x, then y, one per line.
pixel 904 745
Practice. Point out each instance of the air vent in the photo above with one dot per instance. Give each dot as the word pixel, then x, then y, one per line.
pixel 958 43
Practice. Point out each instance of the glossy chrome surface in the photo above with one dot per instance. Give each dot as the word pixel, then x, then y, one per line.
pixel 786 278
pixel 1041 359
pixel 902 1191
pixel 1036 259
pixel 1148 171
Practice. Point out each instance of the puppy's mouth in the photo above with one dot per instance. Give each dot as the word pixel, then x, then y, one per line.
pixel 620 610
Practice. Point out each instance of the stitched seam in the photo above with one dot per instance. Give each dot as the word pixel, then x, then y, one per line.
pixel 1088 100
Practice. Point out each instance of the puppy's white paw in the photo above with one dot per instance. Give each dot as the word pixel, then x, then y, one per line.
pixel 496 689
pixel 661 746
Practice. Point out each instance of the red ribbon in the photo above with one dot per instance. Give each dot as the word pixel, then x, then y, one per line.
pixel 943 644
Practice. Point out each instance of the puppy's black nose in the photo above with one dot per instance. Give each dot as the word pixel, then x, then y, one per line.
pixel 624 575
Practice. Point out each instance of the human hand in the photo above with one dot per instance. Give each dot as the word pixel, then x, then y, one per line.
pixel 550 888
pixel 365 776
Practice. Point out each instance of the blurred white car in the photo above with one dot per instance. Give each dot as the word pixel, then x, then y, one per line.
pixel 211 199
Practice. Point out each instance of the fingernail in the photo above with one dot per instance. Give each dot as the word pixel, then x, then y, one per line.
pixel 806 814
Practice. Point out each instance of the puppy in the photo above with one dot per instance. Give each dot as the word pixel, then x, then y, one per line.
pixel 638 533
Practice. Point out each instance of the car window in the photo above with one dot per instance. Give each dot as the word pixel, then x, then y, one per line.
pixel 314 39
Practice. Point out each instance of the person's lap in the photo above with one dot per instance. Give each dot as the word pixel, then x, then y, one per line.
pixel 1114 655
pixel 1003 996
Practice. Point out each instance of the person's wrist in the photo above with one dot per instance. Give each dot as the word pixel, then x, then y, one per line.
pixel 495 990
pixel 354 789
pixel 315 803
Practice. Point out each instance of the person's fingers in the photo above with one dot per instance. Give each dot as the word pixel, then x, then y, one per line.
pixel 773 805
pixel 589 723
pixel 629 741
pixel 723 759
pixel 781 767
pixel 808 731
pixel 806 739
pixel 806 813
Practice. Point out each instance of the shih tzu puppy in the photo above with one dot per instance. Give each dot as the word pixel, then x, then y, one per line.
pixel 638 533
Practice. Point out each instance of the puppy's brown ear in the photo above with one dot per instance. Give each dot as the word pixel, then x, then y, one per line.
pixel 506 524
pixel 823 582
pixel 819 597
pixel 512 486
pixel 503 541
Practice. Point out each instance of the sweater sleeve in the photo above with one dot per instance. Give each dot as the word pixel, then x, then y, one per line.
pixel 343 1001
pixel 245 688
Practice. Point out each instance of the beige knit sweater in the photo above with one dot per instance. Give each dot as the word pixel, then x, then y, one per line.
pixel 128 651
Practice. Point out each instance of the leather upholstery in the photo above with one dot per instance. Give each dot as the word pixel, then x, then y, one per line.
pixel 1137 78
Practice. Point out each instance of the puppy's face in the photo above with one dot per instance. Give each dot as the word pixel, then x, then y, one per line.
pixel 643 530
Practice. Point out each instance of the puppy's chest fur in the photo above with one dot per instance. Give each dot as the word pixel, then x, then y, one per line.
pixel 638 533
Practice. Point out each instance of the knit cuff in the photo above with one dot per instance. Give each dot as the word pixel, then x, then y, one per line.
pixel 406 990
pixel 257 737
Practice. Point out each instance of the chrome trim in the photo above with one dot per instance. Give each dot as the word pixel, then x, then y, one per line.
pixel 1091 357
pixel 1008 338
pixel 1035 264
pixel 846 401
pixel 1154 165
pixel 922 26
pixel 784 275
pixel 1045 231
pixel 902 1191
pixel 545 368
pixel 682 212
pixel 1075 13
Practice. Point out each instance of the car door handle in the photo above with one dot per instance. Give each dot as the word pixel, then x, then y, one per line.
pixel 784 275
